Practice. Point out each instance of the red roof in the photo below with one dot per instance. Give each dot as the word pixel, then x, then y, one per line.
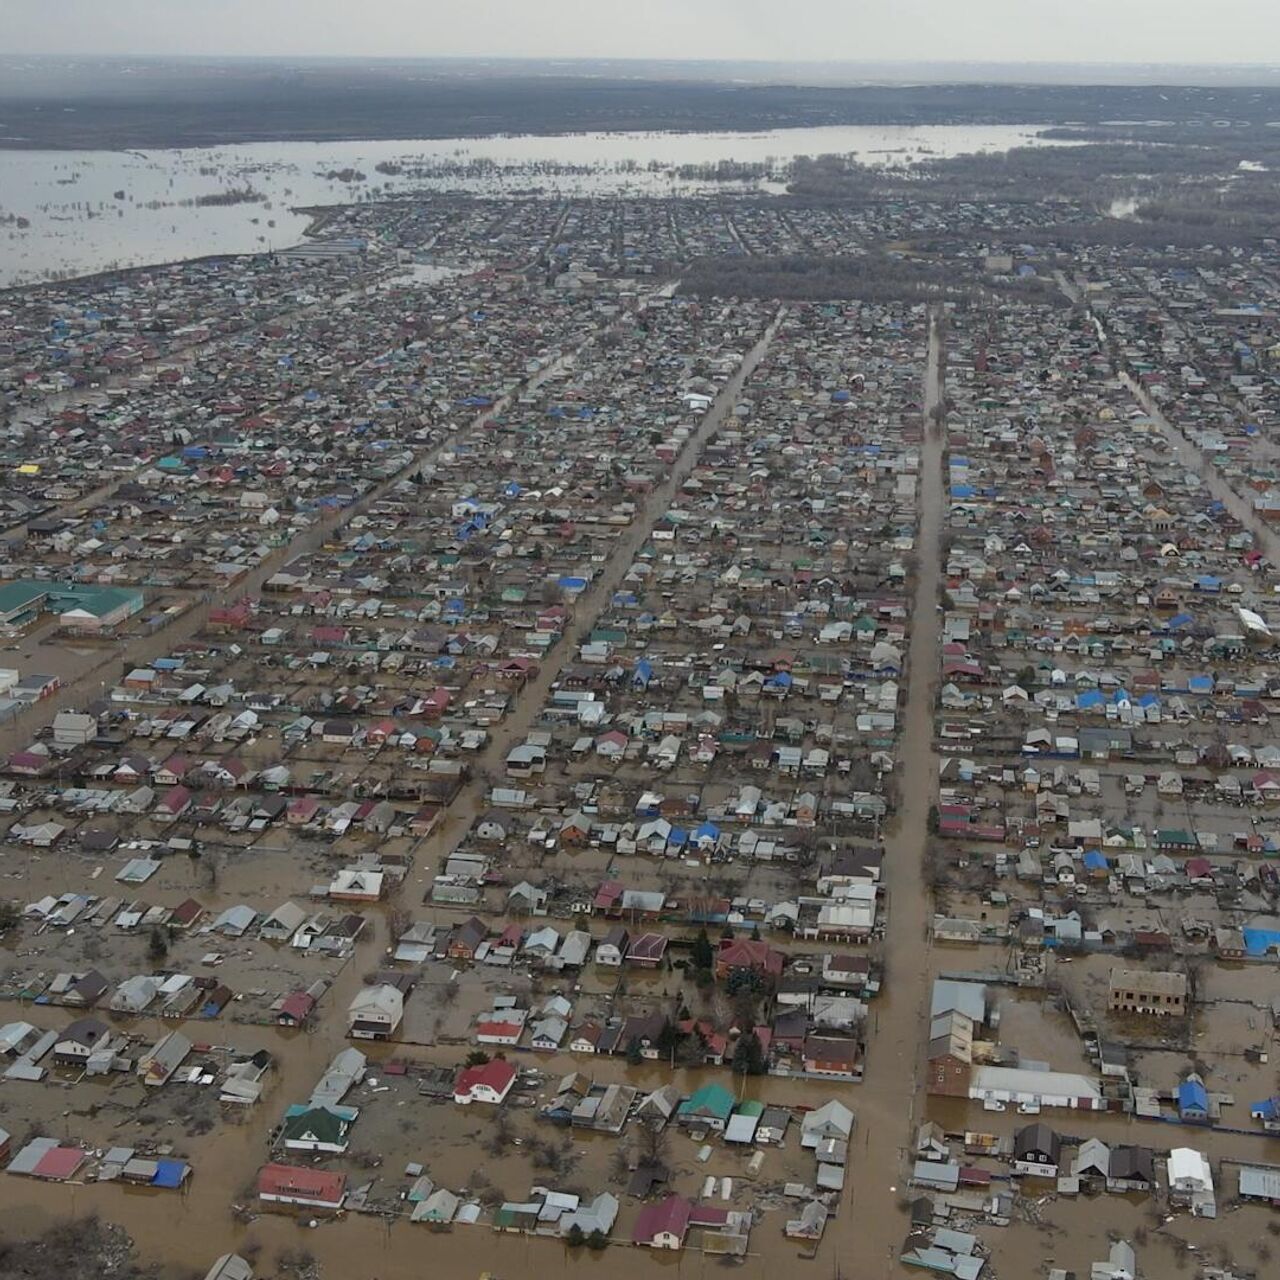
pixel 497 1074
pixel 609 893
pixel 735 953
pixel 705 1215
pixel 493 1027
pixel 297 1005
pixel 669 1216
pixel 175 799
pixel 59 1163
pixel 310 1184
pixel 187 912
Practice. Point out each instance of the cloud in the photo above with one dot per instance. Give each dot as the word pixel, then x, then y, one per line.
pixel 1142 31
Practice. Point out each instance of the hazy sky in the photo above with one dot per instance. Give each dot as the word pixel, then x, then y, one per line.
pixel 1180 31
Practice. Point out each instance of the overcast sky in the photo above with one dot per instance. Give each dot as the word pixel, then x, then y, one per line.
pixel 1178 31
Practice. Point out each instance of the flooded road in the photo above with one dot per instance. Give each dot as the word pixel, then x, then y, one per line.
pixel 871 1230
pixel 194 1228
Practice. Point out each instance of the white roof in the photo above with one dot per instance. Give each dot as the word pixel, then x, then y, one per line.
pixel 1187 1165
pixel 385 999
pixel 834 1114
pixel 1066 1084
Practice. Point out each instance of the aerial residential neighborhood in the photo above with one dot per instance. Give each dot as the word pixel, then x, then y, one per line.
pixel 679 674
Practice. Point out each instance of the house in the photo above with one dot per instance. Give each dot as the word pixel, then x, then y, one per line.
pixel 174 804
pixel 86 990
pixel 490 1082
pixel 754 957
pixel 501 1027
pixel 643 1031
pixel 613 947
pixel 663 1225
pixel 244 1082
pixel 598 1215
pixel 439 1208
pixel 708 1108
pixel 166 1056
pixel 846 972
pixel 1267 1113
pixel 657 1108
pixel 81 1039
pixel 73 729
pixel 1193 1099
pixel 185 914
pixel 354 884
pixel 586 1038
pixel 311 1128
pixel 1121 1263
pixel 465 940
pixel 1148 991
pixel 134 994
pixel 1131 1169
pixel 312 1188
pixel 282 923
pixel 1191 1181
pixel 1092 1160
pixel 1037 1150
pixel 546 1035
pixel 810 1224
pixel 375 1013
pixel 295 1009
pixel 772 1129
pixel 833 1056
pixel 526 899
pixel 950 1055
pixel 831 1120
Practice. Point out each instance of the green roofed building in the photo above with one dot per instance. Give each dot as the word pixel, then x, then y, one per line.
pixel 79 606
pixel 22 601
pixel 708 1108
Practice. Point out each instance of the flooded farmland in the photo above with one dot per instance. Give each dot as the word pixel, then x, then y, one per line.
pixel 65 213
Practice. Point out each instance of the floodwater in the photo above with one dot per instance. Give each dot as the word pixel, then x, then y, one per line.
pixel 870 1236
pixel 862 1242
pixel 90 211
pixel 194 1228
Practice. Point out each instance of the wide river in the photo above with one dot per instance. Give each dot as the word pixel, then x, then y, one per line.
pixel 65 213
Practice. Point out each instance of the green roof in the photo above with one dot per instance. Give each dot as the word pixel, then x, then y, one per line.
pixel 59 597
pixel 15 596
pixel 95 600
pixel 319 1123
pixel 711 1100
pixel 749 1108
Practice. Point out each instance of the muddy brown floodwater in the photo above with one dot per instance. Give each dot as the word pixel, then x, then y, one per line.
pixel 192 1229
pixel 870 1230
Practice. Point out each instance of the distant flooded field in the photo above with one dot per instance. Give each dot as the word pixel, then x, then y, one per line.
pixel 65 213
